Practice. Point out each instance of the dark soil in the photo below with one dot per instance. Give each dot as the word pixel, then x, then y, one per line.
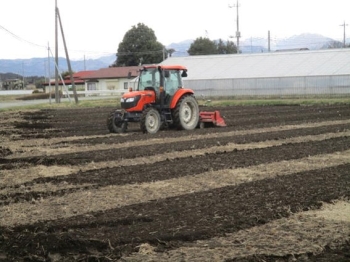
pixel 169 223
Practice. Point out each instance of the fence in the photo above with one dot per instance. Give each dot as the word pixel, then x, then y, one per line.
pixel 305 86
pixel 79 93
pixel 99 92
pixel 15 92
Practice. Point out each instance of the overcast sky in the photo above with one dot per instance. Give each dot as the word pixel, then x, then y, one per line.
pixel 95 28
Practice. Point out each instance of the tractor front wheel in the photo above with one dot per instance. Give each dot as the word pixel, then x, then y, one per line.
pixel 150 121
pixel 115 126
pixel 186 113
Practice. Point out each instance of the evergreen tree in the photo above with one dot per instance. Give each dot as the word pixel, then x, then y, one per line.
pixel 139 46
pixel 204 46
pixel 226 48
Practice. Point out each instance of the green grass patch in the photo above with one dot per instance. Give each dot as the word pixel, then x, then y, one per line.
pixel 274 101
pixel 115 102
pixel 9 98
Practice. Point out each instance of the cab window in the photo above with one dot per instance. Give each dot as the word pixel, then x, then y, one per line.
pixel 149 78
pixel 172 81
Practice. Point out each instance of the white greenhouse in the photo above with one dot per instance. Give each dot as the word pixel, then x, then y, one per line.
pixel 295 73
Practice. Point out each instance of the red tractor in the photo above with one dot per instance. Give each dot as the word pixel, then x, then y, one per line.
pixel 160 101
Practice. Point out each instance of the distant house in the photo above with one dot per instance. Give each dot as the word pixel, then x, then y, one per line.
pixel 111 79
pixel 114 79
pixel 79 82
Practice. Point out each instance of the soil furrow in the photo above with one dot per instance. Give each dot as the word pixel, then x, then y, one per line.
pixel 110 196
pixel 299 236
pixel 215 161
pixel 23 176
pixel 70 124
pixel 191 217
pixel 253 191
pixel 82 155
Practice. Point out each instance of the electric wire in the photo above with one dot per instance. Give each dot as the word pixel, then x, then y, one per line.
pixel 278 42
pixel 15 36
pixel 20 38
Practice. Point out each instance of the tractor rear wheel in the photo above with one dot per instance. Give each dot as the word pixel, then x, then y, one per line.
pixel 150 121
pixel 186 113
pixel 113 126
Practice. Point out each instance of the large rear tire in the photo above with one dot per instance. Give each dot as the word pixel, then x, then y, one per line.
pixel 116 126
pixel 186 113
pixel 150 121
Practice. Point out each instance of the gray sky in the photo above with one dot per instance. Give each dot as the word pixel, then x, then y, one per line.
pixel 95 28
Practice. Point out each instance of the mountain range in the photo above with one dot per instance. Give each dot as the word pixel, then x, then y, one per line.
pixel 38 66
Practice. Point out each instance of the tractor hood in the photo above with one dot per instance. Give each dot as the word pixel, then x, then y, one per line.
pixel 137 93
pixel 135 100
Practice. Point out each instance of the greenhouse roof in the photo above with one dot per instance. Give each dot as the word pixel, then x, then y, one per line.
pixel 274 64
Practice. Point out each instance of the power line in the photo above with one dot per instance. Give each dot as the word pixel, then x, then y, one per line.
pixel 45 47
pixel 20 38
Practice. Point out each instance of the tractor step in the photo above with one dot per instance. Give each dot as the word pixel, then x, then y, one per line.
pixel 211 117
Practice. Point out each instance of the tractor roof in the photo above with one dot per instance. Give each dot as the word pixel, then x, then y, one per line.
pixel 167 67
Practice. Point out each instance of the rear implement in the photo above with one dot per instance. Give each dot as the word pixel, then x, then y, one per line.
pixel 211 119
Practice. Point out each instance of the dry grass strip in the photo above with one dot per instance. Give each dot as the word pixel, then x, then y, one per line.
pixel 39 147
pixel 117 196
pixel 22 175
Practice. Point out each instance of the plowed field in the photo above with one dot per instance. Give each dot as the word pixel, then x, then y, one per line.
pixel 274 185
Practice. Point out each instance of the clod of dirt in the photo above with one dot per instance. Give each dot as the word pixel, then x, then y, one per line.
pixel 4 151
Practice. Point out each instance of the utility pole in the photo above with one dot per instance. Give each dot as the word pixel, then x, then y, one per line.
pixel 23 73
pixel 67 58
pixel 344 25
pixel 49 72
pixel 238 33
pixel 57 94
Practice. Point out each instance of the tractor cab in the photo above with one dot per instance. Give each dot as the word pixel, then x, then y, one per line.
pixel 164 81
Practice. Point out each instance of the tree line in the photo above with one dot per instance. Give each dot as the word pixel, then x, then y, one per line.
pixel 140 46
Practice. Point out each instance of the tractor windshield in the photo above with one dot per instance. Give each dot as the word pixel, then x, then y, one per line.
pixel 153 78
pixel 149 77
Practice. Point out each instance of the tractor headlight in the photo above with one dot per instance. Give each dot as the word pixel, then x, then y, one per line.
pixel 127 100
pixel 130 100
